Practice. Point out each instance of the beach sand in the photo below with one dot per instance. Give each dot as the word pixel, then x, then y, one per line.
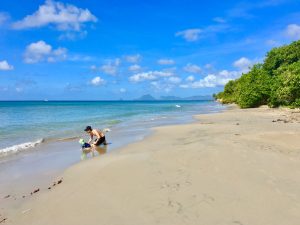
pixel 237 167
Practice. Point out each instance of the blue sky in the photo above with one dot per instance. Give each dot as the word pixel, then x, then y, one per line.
pixel 73 49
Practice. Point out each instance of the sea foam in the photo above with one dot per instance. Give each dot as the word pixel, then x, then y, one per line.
pixel 19 147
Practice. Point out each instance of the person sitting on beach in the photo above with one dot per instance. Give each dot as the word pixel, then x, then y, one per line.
pixel 100 137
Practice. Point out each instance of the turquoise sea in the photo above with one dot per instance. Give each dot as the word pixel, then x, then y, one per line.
pixel 27 124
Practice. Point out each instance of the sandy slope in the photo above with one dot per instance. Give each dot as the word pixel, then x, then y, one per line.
pixel 236 167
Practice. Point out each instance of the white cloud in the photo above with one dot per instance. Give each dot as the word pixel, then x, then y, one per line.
pixel 142 77
pixel 123 90
pixel 73 35
pixel 213 80
pixel 208 66
pixel 219 20
pixel 166 84
pixel 190 78
pixel 4 17
pixel 134 68
pixel 3 88
pixel 133 58
pixel 162 86
pixel 272 43
pixel 293 31
pixel 4 65
pixel 230 74
pixel 192 68
pixel 97 81
pixel 111 67
pixel 41 51
pixel 174 80
pixel 243 64
pixel 210 80
pixel 166 62
pixel 62 16
pixel 80 58
pixel 150 75
pixel 18 89
pixel 190 34
pixel 93 68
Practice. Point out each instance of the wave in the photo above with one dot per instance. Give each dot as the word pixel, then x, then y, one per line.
pixel 19 147
pixel 113 122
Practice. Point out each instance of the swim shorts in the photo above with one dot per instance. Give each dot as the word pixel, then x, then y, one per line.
pixel 100 141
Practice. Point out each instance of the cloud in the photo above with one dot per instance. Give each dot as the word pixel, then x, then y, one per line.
pixel 166 84
pixel 166 61
pixel 111 67
pixel 174 80
pixel 243 64
pixel 189 34
pixel 192 35
pixel 142 77
pixel 41 51
pixel 273 43
pixel 293 31
pixel 192 68
pixel 219 20
pixel 134 68
pixel 4 17
pixel 97 81
pixel 244 9
pixel 123 90
pixel 2 88
pixel 93 68
pixel 133 58
pixel 73 35
pixel 150 75
pixel 4 65
pixel 80 58
pixel 63 16
pixel 208 66
pixel 210 80
pixel 190 78
pixel 18 89
pixel 73 88
pixel 213 80
pixel 24 84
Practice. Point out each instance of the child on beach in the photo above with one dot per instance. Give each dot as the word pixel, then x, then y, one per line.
pixel 100 137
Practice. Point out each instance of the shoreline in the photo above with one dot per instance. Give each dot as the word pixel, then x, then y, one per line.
pixel 130 153
pixel 21 184
pixel 122 135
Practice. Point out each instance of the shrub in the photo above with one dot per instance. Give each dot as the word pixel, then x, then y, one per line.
pixel 275 82
pixel 286 87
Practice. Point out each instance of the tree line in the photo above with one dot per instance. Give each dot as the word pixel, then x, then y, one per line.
pixel 275 82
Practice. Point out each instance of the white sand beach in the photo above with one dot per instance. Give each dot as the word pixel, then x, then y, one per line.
pixel 237 167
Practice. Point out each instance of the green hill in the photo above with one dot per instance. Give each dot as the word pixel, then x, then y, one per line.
pixel 275 82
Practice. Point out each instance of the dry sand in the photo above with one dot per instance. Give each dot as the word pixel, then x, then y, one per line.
pixel 236 167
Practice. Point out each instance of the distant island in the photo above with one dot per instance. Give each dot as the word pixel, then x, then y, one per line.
pixel 149 97
pixel 275 82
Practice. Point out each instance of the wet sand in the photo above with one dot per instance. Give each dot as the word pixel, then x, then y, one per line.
pixel 235 167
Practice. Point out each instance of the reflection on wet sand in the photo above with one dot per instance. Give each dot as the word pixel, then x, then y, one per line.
pixel 101 149
pixel 92 152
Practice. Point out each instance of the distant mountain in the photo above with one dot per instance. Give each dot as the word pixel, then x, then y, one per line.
pixel 149 97
pixel 146 98
pixel 169 98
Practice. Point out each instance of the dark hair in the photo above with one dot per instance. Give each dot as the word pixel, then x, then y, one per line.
pixel 88 128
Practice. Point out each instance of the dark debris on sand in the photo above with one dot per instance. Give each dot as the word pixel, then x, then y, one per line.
pixel 3 220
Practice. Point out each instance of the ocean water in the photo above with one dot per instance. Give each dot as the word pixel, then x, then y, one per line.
pixel 27 124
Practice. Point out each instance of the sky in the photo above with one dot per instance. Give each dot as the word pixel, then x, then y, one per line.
pixel 110 50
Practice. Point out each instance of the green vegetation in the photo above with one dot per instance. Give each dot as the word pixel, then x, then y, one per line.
pixel 276 82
